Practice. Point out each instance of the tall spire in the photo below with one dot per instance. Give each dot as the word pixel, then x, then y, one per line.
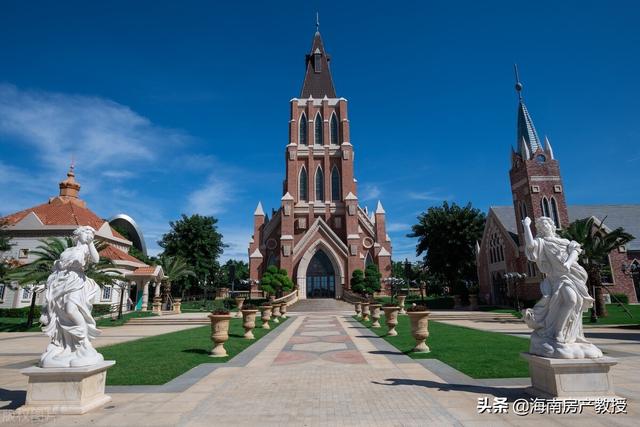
pixel 317 80
pixel 526 131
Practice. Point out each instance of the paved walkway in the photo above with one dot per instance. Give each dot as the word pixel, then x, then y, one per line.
pixel 325 369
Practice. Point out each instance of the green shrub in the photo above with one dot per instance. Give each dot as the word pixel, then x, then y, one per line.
pixel 101 309
pixel 22 312
pixel 623 298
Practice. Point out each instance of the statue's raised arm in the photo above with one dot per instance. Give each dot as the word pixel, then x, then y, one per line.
pixel 557 318
pixel 66 312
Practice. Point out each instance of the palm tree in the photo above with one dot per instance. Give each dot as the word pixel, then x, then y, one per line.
pixel 174 269
pixel 596 244
pixel 37 272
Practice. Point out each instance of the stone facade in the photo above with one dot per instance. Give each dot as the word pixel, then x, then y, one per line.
pixel 319 210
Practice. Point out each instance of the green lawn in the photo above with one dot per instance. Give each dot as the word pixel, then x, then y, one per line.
pixel 477 353
pixel 617 316
pixel 19 324
pixel 107 322
pixel 159 359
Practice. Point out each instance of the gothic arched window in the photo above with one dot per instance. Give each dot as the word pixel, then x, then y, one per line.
pixel 318 129
pixel 335 184
pixel 303 129
pixel 303 185
pixel 544 205
pixel 368 260
pixel 334 129
pixel 319 184
pixel 554 212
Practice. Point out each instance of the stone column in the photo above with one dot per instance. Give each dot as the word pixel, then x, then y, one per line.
pixel 158 288
pixel 145 296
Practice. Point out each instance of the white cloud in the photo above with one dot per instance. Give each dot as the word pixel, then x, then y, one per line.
pixel 237 241
pixel 397 226
pixel 212 198
pixel 97 132
pixel 431 196
pixel 369 192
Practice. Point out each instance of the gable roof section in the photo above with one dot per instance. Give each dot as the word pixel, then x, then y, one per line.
pixel 115 254
pixel 319 225
pixel 625 216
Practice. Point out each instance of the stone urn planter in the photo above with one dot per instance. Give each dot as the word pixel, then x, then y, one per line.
pixel 473 302
pixel 276 313
pixel 177 302
pixel 365 311
pixel 219 332
pixel 401 300
pixel 391 318
pixel 239 303
pixel 457 302
pixel 419 317
pixel 266 316
pixel 375 314
pixel 249 321
pixel 157 306
pixel 283 311
pixel 358 309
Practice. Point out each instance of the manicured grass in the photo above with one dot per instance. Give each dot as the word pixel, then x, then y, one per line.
pixel 478 354
pixel 617 316
pixel 17 324
pixel 516 313
pixel 107 322
pixel 159 359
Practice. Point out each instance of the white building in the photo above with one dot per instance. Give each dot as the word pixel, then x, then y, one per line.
pixel 59 217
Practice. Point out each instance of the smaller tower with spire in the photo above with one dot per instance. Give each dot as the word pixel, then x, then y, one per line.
pixel 536 182
pixel 70 188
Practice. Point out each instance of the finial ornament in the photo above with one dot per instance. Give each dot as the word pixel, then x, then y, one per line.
pixel 518 84
pixel 317 22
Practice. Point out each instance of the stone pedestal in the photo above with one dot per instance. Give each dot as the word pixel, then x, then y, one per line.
pixel 570 378
pixel 60 391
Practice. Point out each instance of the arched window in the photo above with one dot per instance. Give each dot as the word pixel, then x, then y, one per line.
pixel 303 129
pixel 334 129
pixel 303 185
pixel 318 128
pixel 544 205
pixel 319 184
pixel 335 184
pixel 368 260
pixel 554 212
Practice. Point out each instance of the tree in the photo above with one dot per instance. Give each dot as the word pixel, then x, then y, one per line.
pixel 447 236
pixel 36 273
pixel 367 282
pixel 197 241
pixel 175 269
pixel 276 281
pixel 5 245
pixel 596 244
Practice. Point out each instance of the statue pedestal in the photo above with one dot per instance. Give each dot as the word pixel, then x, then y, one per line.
pixel 61 391
pixel 570 378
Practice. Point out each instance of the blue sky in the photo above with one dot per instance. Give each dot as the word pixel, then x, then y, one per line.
pixel 172 107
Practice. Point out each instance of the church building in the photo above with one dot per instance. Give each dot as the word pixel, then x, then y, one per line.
pixel 538 190
pixel 319 234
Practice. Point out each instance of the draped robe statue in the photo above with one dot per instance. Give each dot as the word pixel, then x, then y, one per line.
pixel 556 319
pixel 66 313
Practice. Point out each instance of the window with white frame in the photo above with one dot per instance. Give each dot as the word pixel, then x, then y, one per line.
pixel 26 294
pixel 2 288
pixel 106 293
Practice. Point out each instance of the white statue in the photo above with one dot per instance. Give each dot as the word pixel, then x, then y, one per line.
pixel 556 319
pixel 66 312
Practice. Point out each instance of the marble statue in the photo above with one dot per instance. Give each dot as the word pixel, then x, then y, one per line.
pixel 556 319
pixel 66 312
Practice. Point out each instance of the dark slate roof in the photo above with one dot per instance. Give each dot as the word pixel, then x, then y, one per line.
pixel 526 130
pixel 625 216
pixel 318 84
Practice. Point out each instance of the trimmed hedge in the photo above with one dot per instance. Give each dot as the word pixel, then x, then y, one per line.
pixel 623 298
pixel 23 312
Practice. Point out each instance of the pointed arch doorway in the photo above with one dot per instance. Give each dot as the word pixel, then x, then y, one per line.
pixel 321 277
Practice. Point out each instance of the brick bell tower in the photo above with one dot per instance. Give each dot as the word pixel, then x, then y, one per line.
pixel 536 182
pixel 320 234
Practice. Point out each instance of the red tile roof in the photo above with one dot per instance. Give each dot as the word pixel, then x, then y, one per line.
pixel 145 271
pixel 59 212
pixel 114 253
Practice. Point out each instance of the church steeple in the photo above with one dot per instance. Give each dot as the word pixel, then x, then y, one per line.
pixel 317 80
pixel 527 138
